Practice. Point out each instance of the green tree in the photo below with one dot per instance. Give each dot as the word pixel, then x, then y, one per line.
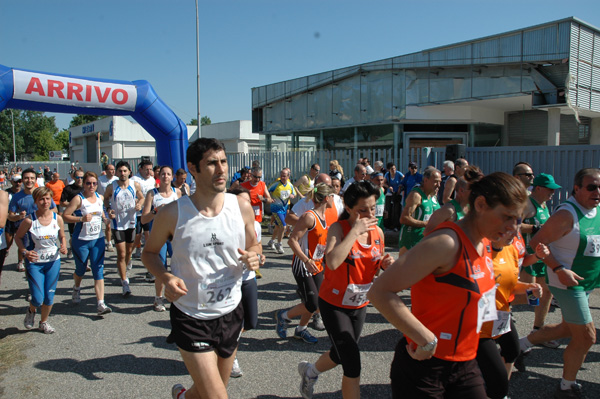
pixel 62 139
pixel 43 144
pixel 79 119
pixel 205 120
pixel 28 125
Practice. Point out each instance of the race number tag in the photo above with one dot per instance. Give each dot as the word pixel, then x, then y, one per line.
pixel 356 294
pixel 593 246
pixel 47 254
pixel 93 227
pixel 284 195
pixel 319 252
pixel 379 210
pixel 256 209
pixel 216 294
pixel 125 202
pixel 426 217
pixel 501 324
pixel 486 309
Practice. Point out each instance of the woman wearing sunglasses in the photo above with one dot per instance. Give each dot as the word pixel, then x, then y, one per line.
pixel 572 234
pixel 86 211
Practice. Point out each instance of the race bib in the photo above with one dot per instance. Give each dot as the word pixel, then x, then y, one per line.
pixel 256 210
pixel 379 210
pixel 93 227
pixel 356 294
pixel 284 195
pixel 593 246
pixel 319 252
pixel 216 294
pixel 426 217
pixel 47 254
pixel 486 308
pixel 125 203
pixel 501 324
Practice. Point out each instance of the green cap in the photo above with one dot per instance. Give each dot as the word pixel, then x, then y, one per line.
pixel 545 180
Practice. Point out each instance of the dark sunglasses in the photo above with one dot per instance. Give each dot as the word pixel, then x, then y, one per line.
pixel 526 174
pixel 592 187
pixel 91 183
pixel 257 177
pixel 78 177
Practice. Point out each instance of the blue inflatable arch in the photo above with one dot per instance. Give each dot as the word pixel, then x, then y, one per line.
pixel 40 91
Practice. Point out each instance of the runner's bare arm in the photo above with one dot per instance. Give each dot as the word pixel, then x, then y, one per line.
pixel 338 246
pixel 147 216
pixel 412 202
pixel 61 235
pixel 448 189
pixel 250 255
pixel 306 221
pixel 139 203
pixel 440 216
pixel 3 208
pixel 74 204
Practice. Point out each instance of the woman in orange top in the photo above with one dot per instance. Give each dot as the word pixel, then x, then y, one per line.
pixel 495 366
pixel 450 274
pixel 308 244
pixel 354 253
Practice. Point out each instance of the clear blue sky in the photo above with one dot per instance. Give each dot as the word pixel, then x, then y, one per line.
pixel 244 44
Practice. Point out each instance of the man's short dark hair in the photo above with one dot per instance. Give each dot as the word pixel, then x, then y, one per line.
pixel 145 162
pixel 196 150
pixel 120 164
pixel 28 170
pixel 518 167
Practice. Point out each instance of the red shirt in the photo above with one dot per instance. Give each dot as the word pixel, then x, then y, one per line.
pixel 256 203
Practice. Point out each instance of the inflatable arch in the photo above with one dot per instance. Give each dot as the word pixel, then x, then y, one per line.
pixel 39 91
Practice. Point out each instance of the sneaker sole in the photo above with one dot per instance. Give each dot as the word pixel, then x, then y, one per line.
pixel 302 339
pixel 127 294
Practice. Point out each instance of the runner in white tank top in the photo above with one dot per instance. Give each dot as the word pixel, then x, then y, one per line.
pixel 86 211
pixel 155 200
pixel 46 242
pixel 213 240
pixel 126 198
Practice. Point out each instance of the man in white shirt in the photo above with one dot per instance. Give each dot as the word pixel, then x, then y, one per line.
pixel 147 182
pixel 103 182
pixel 360 174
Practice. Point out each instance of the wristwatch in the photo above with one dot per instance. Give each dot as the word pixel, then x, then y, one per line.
pixel 428 347
pixel 153 211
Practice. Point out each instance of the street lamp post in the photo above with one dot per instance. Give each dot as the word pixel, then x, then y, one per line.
pixel 198 68
pixel 12 117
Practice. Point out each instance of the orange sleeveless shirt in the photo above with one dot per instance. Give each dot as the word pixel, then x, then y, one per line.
pixel 355 273
pixel 256 203
pixel 447 304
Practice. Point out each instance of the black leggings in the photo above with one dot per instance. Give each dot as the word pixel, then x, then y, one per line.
pixel 250 303
pixel 308 290
pixel 491 361
pixel 344 327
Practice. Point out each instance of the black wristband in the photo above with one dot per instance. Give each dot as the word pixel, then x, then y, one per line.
pixel 558 268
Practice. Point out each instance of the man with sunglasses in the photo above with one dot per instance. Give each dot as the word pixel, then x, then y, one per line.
pixel 411 179
pixel 572 234
pixel 307 182
pixel 22 205
pixel 259 194
pixel 524 173
pixel 360 174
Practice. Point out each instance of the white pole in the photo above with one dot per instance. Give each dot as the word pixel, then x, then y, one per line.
pixel 198 68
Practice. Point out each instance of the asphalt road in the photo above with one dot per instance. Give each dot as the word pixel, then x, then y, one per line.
pixel 125 354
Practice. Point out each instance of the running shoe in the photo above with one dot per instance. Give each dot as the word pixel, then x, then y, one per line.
pixel 281 324
pixel 76 295
pixel 149 278
pixel 307 384
pixel 129 265
pixel 177 390
pixel 137 254
pixel 575 392
pixel 29 319
pixel 69 253
pixel 548 344
pixel 20 267
pixel 126 289
pixel 271 245
pixel 258 274
pixel 159 305
pixel 236 371
pixel 46 328
pixel 318 322
pixel 110 248
pixel 103 309
pixel 279 248
pixel 305 336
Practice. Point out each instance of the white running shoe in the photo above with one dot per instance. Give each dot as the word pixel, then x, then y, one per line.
pixel 177 390
pixel 46 328
pixel 126 289
pixel 236 371
pixel 103 309
pixel 76 295
pixel 271 245
pixel 279 248
pixel 20 267
pixel 110 248
pixel 307 384
pixel 318 322
pixel 129 265
pixel 29 319
pixel 149 278
pixel 159 305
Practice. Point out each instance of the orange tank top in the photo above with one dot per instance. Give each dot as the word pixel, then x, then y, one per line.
pixel 255 191
pixel 347 286
pixel 313 242
pixel 519 244
pixel 448 304
pixel 506 272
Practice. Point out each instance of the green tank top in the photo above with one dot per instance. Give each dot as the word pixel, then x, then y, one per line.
pixel 409 235
pixel 587 260
pixel 458 209
pixel 540 217
pixel 380 207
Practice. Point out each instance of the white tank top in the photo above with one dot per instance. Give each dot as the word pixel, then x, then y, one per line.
pixel 123 202
pixel 159 200
pixel 205 257
pixel 91 230
pixel 44 239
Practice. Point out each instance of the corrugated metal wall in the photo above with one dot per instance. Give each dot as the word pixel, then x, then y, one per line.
pixel 584 66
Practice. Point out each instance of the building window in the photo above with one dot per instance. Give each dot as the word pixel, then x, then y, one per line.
pixel 584 134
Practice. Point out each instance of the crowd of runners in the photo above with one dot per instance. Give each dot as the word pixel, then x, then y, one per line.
pixel 470 245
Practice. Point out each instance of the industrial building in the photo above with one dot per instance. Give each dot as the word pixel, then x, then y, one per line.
pixel 534 86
